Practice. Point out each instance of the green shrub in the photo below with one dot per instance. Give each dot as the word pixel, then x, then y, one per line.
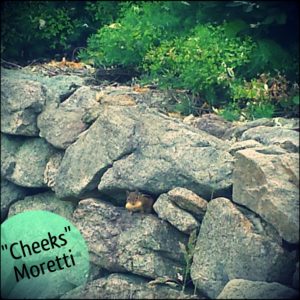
pixel 204 62
pixel 230 112
pixel 142 26
pixel 102 12
pixel 266 96
pixel 34 29
pixel 269 56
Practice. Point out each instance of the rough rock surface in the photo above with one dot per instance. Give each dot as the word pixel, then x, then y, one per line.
pixel 51 169
pixel 129 148
pixel 212 124
pixel 188 201
pixel 10 193
pixel 24 165
pixel 247 289
pixel 60 87
pixel 120 241
pixel 123 286
pixel 236 131
pixel 21 102
pixel 43 201
pixel 243 145
pixel 61 125
pixel 9 147
pixel 117 139
pixel 268 184
pixel 229 246
pixel 179 218
pixel 285 138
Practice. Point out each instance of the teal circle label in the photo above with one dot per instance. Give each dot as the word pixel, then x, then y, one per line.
pixel 43 255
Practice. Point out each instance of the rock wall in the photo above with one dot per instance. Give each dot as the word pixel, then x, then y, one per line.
pixel 76 150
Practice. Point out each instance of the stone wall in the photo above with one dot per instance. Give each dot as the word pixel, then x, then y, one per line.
pixel 76 150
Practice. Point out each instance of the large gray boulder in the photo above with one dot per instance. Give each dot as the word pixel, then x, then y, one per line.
pixel 61 125
pixel 247 289
pixel 230 245
pixel 131 148
pixel 285 138
pixel 212 124
pixel 267 182
pixel 24 95
pixel 60 87
pixel 188 201
pixel 43 201
pixel 10 193
pixel 24 160
pixel 125 286
pixel 236 131
pixel 9 147
pixel 241 145
pixel 179 218
pixel 121 241
pixel 21 102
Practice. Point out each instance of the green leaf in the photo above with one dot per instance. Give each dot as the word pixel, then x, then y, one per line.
pixel 296 100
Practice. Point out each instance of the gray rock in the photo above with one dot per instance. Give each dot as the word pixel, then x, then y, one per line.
pixel 129 148
pixel 123 286
pixel 26 166
pixel 60 86
pixel 247 289
pixel 21 102
pixel 243 145
pixel 188 201
pixel 238 128
pixel 10 193
pixel 9 147
pixel 61 126
pixel 229 247
pixel 285 138
pixel 94 151
pixel 44 201
pixel 120 241
pixel 212 124
pixel 268 184
pixel 292 123
pixel 51 169
pixel 175 215
pixel 83 98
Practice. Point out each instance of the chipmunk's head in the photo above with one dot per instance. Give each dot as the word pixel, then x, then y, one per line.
pixel 133 202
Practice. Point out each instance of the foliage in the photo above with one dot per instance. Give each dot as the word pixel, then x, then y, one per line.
pixel 188 252
pixel 205 61
pixel 269 56
pixel 40 28
pixel 143 25
pixel 239 58
pixel 230 112
pixel 261 97
pixel 102 12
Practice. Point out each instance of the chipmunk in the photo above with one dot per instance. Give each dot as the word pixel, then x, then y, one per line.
pixel 138 202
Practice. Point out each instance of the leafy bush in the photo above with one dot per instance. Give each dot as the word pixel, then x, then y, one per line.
pixel 34 29
pixel 230 112
pixel 262 97
pixel 269 56
pixel 240 58
pixel 204 62
pixel 143 25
